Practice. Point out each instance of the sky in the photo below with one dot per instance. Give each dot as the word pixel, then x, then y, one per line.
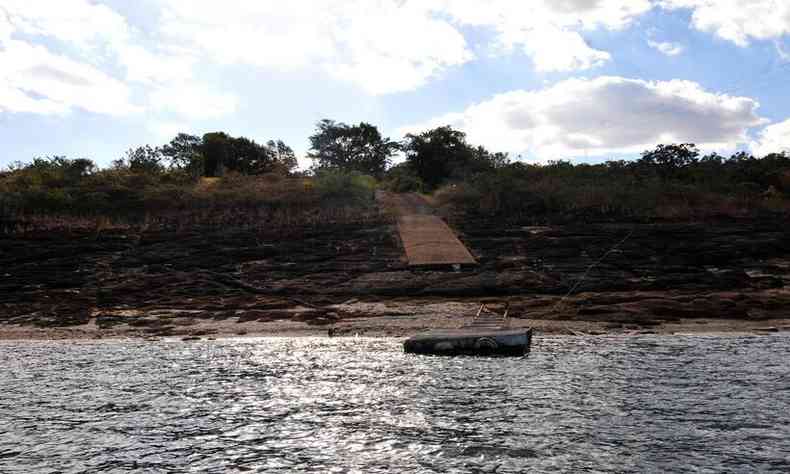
pixel 583 80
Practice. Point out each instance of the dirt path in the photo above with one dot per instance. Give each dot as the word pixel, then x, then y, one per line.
pixel 427 239
pixel 404 204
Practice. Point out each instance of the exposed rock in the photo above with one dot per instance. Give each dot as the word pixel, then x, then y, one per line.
pixel 165 280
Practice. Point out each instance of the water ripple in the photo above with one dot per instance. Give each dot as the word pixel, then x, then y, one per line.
pixel 685 404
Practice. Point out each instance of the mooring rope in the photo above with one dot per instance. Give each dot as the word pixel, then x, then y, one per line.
pixel 589 269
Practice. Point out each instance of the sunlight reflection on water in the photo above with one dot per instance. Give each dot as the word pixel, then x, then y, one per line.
pixel 313 404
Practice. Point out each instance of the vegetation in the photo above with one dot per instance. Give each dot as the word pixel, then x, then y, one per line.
pixel 218 179
pixel 442 154
pixel 670 182
pixel 178 183
pixel 359 148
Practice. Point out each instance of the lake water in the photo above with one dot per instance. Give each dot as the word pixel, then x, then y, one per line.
pixel 696 404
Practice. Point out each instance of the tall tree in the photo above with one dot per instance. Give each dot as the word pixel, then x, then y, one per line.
pixel 185 152
pixel 668 160
pixel 222 152
pixel 353 148
pixel 442 153
pixel 284 155
pixel 216 149
pixel 145 159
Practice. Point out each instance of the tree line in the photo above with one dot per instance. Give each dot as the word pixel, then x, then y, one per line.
pixel 431 158
pixel 441 158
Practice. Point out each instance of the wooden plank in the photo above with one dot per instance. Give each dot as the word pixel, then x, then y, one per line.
pixel 429 241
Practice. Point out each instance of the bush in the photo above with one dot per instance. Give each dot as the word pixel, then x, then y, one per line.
pixel 695 189
pixel 342 187
pixel 403 179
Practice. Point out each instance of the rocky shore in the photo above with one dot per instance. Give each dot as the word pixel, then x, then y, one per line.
pixel 202 282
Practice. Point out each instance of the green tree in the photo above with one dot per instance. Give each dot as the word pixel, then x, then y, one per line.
pixel 284 155
pixel 145 159
pixel 344 147
pixel 669 160
pixel 221 152
pixel 185 152
pixel 216 148
pixel 443 153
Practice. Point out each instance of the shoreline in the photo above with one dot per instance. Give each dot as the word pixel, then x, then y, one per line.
pixel 368 328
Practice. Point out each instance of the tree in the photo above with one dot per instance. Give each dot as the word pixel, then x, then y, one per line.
pixel 668 160
pixel 358 148
pixel 80 168
pixel 442 153
pixel 215 150
pixel 55 170
pixel 185 152
pixel 284 155
pixel 145 159
pixel 222 152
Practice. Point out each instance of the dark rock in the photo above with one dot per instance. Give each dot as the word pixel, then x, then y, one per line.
pixel 661 272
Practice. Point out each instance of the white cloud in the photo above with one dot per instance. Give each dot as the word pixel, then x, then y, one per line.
pixel 5 27
pixel 383 46
pixel 33 79
pixel 166 130
pixel 547 30
pixel 604 115
pixel 509 15
pixel 738 21
pixel 78 22
pixel 553 49
pixel 150 68
pixel 94 38
pixel 194 102
pixel 774 138
pixel 387 46
pixel 665 47
pixel 379 57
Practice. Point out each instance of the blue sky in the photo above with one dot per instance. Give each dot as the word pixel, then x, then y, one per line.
pixel 545 79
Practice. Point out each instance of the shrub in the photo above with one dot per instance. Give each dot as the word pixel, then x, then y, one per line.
pixel 403 179
pixel 342 187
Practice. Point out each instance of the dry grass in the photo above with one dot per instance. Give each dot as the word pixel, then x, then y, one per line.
pixel 234 201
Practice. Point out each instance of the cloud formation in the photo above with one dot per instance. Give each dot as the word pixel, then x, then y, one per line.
pixel 739 21
pixel 774 138
pixel 387 46
pixel 666 47
pixel 380 46
pixel 548 31
pixel 605 115
pixel 65 55
pixel 35 79
pixel 57 57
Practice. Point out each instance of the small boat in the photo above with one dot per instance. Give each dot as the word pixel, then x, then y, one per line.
pixel 489 334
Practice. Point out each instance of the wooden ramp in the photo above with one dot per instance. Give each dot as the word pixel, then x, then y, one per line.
pixel 428 241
